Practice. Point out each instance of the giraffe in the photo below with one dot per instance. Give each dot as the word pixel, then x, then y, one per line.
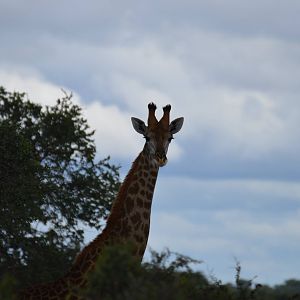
pixel 129 219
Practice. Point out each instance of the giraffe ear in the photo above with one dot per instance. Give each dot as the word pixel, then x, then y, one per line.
pixel 176 125
pixel 138 125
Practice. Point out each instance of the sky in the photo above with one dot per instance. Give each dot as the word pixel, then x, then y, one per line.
pixel 231 189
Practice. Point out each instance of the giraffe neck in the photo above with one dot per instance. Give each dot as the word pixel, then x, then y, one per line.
pixel 130 216
pixel 129 220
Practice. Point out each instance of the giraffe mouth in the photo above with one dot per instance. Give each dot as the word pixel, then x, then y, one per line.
pixel 161 158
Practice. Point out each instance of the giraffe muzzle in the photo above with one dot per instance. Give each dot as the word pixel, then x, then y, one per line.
pixel 161 159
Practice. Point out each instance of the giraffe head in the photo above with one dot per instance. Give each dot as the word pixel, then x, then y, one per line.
pixel 158 134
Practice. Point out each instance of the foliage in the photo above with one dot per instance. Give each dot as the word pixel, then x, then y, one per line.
pixel 168 275
pixel 118 275
pixel 50 185
pixel 7 287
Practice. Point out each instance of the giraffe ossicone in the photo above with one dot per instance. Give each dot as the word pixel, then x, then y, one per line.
pixel 129 219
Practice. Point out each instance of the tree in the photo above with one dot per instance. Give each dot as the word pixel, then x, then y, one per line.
pixel 50 185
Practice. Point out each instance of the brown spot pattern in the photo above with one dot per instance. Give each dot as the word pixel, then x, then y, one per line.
pixel 129 204
pixel 133 190
pixel 142 181
pixel 139 202
pixel 136 218
pixel 153 173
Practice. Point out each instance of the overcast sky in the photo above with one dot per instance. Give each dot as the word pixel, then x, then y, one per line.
pixel 231 68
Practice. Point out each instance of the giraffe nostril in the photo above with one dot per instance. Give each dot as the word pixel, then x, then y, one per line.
pixel 160 155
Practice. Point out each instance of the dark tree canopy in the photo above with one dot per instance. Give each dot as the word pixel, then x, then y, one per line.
pixel 50 185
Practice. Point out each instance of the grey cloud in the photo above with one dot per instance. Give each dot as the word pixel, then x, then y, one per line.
pixel 97 20
pixel 276 166
pixel 262 18
pixel 261 198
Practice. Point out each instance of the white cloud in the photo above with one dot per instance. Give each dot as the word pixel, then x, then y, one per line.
pixel 241 123
pixel 227 194
pixel 179 234
pixel 31 83
pixel 217 220
pixel 114 133
pixel 244 121
pixel 218 241
pixel 215 81
pixel 113 136
pixel 241 224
